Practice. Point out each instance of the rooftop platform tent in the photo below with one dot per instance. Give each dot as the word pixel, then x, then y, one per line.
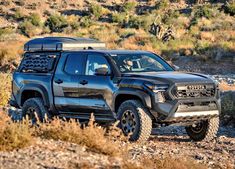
pixel 35 62
pixel 62 44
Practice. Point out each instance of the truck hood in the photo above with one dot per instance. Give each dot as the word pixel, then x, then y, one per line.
pixel 170 77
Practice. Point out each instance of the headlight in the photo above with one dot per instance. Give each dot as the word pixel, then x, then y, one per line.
pixel 159 91
pixel 157 88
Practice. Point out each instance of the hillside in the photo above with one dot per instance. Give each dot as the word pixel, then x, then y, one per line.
pixel 201 31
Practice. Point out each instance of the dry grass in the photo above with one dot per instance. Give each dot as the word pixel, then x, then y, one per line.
pixel 146 163
pixel 94 137
pixel 225 86
pixel 14 135
pixel 5 89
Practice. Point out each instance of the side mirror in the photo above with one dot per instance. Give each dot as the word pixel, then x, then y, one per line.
pixel 102 71
pixel 176 67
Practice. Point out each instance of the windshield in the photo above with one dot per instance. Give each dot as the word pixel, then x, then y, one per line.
pixel 146 62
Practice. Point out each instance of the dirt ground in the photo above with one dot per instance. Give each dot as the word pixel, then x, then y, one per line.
pixel 170 141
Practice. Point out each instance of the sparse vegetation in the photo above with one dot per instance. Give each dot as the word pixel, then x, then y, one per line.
pixel 228 109
pixel 92 136
pixel 230 8
pixel 27 29
pixel 35 19
pixel 96 139
pixel 56 23
pixel 5 89
pixel 14 135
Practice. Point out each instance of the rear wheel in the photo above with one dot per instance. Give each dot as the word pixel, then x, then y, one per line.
pixel 134 120
pixel 204 130
pixel 35 110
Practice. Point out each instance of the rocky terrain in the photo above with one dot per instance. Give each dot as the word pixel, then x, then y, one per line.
pixel 164 142
pixel 173 142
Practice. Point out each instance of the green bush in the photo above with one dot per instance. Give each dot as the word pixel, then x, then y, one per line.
pixel 6 31
pixel 135 22
pixel 169 16
pixel 129 6
pixel 18 15
pixel 27 28
pixel 96 10
pixel 118 17
pixel 56 23
pixel 35 19
pixel 162 4
pixel 85 22
pixel 230 8
pixel 203 11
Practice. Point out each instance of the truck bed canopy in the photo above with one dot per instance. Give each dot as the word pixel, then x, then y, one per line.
pixel 62 44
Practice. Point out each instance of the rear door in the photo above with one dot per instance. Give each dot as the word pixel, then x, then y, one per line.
pixel 66 81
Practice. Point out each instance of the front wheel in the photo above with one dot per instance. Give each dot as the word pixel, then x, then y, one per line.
pixel 134 120
pixel 204 130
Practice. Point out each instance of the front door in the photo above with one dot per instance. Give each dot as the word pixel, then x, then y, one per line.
pixel 66 82
pixel 95 91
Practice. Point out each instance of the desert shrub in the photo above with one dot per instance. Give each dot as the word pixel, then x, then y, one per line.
pixel 230 8
pixel 20 2
pixel 14 135
pixel 9 56
pixel 97 10
pixel 5 89
pixel 27 28
pixel 118 17
pixel 18 15
pixel 146 163
pixel 5 2
pixel 5 33
pixel 135 22
pixel 35 19
pixel 228 108
pixel 203 11
pixel 92 136
pixel 162 4
pixel 86 22
pixel 56 23
pixel 169 16
pixel 129 6
pixel 73 22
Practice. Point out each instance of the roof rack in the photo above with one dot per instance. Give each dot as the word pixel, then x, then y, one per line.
pixel 62 44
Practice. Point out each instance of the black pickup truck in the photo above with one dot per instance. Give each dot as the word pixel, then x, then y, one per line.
pixel 75 77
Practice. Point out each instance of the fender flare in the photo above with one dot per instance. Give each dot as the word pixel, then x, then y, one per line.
pixel 38 88
pixel 144 97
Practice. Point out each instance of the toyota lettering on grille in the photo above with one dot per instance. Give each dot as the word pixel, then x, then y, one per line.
pixel 196 87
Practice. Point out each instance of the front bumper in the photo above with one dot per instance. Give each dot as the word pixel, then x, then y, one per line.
pixel 186 110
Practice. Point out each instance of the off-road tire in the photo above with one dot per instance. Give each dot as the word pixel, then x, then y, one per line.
pixel 41 113
pixel 208 132
pixel 144 122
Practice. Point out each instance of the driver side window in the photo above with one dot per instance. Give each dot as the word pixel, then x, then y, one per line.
pixel 95 61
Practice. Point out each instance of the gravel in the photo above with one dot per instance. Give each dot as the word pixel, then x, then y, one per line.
pixel 168 141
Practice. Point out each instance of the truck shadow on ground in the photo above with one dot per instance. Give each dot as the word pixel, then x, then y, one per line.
pixel 178 134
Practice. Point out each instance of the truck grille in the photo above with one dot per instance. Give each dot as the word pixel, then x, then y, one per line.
pixel 194 91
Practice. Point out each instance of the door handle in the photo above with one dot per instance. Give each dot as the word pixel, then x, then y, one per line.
pixel 84 82
pixel 58 81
